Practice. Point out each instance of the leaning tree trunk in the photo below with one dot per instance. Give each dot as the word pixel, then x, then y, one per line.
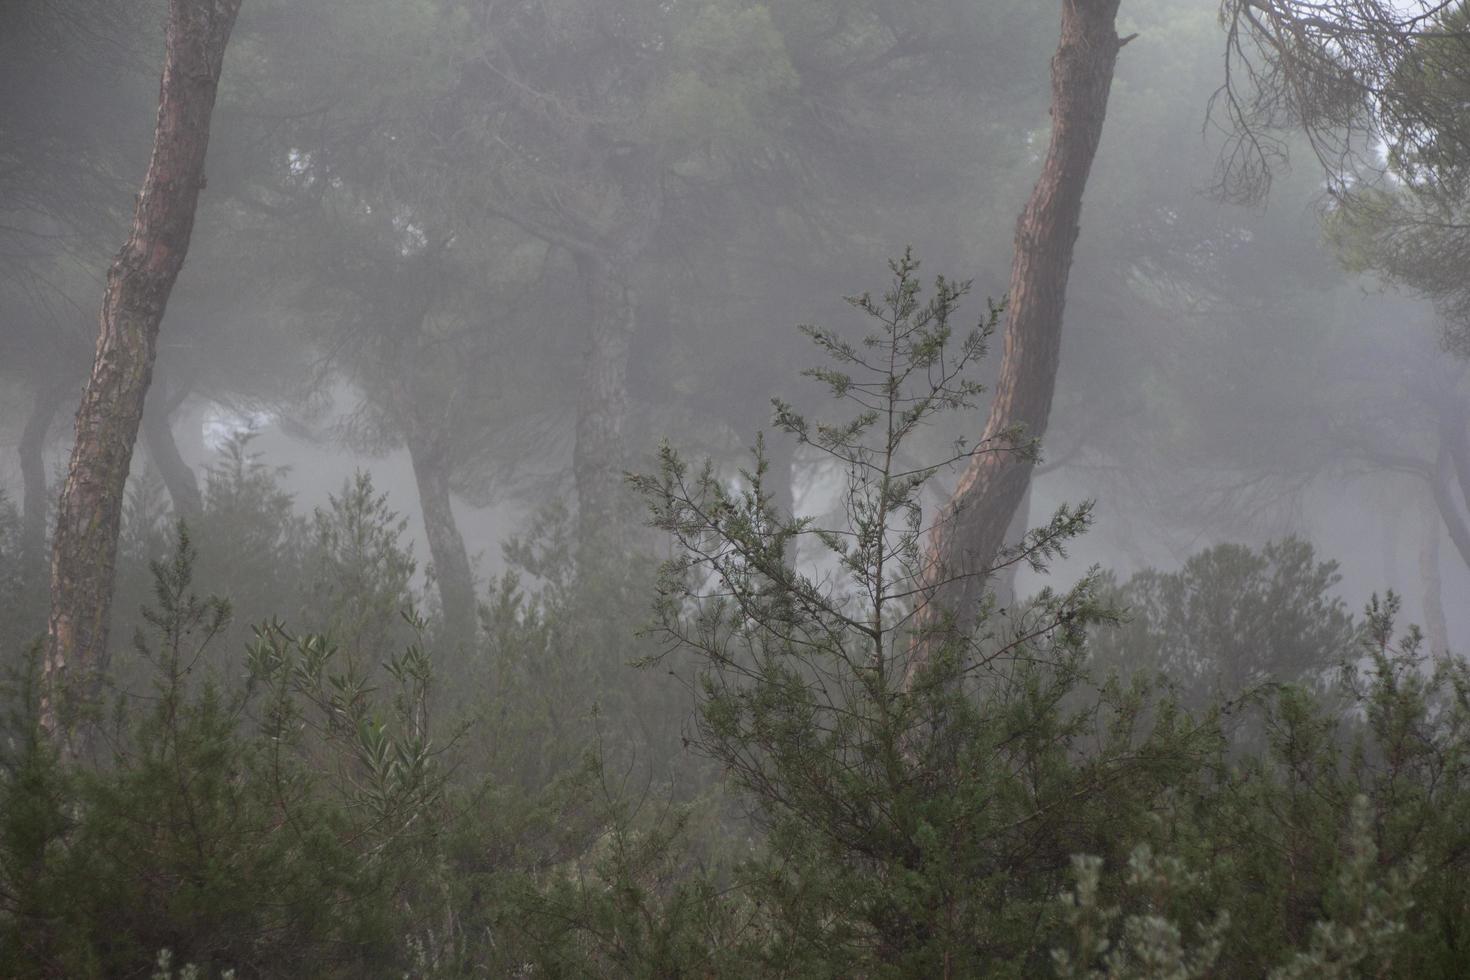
pixel 446 545
pixel 971 528
pixel 178 476
pixel 138 286
pixel 599 455
pixel 44 405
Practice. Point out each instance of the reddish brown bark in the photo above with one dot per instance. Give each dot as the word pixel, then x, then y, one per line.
pixel 138 286
pixel 972 527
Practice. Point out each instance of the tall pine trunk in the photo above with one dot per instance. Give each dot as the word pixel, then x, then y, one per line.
pixel 600 453
pixel 971 528
pixel 139 282
pixel 452 573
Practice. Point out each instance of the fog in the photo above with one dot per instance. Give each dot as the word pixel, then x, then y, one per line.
pixel 516 269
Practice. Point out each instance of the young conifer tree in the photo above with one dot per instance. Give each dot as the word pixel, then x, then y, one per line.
pixel 916 818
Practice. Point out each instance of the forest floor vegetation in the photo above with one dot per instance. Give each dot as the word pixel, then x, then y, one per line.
pixel 1213 772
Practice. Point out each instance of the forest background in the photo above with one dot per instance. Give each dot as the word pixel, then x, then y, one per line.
pixel 459 266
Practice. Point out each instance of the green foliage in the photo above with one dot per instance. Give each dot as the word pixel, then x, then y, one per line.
pixel 13 585
pixel 628 898
pixel 346 572
pixel 1148 943
pixel 1370 912
pixel 730 75
pixel 1338 850
pixel 1230 620
pixel 915 820
pixel 1409 228
pixel 250 535
pixel 922 824
pixel 559 631
pixel 360 571
pixel 219 829
pixel 329 807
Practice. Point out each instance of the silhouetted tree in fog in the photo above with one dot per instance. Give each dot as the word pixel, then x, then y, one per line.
pixel 1357 76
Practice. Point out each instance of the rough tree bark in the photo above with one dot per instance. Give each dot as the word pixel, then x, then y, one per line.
pixel 429 456
pixel 44 405
pixel 138 285
pixel 971 528
pixel 178 476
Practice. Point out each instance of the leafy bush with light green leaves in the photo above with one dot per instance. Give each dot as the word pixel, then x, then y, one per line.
pixel 1339 850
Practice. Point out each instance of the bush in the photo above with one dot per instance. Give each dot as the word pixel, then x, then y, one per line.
pixel 1028 802
pixel 218 827
pixel 1230 620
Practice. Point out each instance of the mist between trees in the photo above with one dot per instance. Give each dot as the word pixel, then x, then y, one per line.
pixel 702 488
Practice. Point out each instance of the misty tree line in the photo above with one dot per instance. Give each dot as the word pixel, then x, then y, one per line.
pixel 523 241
